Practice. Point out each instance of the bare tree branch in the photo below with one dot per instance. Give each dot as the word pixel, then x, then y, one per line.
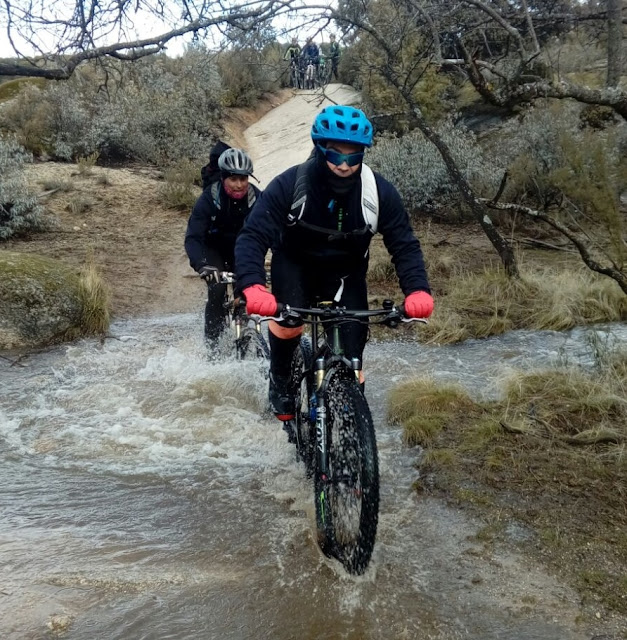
pixel 611 271
pixel 79 34
pixel 610 97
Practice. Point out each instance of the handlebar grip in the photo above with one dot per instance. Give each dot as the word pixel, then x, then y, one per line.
pixel 279 308
pixel 401 309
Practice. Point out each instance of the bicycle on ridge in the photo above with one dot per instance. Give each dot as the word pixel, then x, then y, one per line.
pixel 334 432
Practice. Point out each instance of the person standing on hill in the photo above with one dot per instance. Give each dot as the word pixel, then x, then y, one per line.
pixel 215 220
pixel 318 220
pixel 293 51
pixel 311 53
pixel 334 54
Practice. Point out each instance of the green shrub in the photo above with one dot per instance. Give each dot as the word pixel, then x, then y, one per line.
pixel 20 210
pixel 155 110
pixel 417 170
pixel 555 164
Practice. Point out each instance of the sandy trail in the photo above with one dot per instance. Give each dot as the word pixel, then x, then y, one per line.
pixel 282 139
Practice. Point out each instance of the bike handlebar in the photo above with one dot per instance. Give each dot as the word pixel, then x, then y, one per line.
pixel 393 314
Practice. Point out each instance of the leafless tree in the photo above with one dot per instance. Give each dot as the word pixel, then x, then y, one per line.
pixel 393 35
pixel 64 35
pixel 501 46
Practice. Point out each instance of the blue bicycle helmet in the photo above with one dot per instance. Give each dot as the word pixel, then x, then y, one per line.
pixel 344 124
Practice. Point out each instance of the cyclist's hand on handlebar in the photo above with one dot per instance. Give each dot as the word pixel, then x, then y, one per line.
pixel 418 304
pixel 209 273
pixel 260 301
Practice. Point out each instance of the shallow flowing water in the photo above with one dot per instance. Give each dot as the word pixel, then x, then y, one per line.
pixel 145 494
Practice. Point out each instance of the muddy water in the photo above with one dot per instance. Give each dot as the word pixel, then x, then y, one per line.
pixel 144 494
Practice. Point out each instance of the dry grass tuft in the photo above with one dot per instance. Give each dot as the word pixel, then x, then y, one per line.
pixel 424 408
pixel 86 164
pixel 95 301
pixel 78 204
pixel 490 303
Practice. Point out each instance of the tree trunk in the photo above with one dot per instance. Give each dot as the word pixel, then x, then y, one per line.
pixel 614 43
pixel 501 244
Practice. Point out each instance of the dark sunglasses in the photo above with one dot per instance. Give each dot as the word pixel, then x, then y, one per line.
pixel 337 158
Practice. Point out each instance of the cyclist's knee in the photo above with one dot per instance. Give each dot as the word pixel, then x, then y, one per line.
pixel 284 332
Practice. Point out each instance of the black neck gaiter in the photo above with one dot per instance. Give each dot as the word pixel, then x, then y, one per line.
pixel 337 186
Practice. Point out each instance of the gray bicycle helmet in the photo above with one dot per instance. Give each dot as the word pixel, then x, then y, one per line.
pixel 236 161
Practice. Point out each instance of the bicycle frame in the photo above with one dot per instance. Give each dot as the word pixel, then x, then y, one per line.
pixel 328 354
pixel 235 308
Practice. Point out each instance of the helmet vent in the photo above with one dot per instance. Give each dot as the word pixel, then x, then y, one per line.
pixel 342 124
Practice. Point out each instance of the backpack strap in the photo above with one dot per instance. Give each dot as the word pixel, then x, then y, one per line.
pixel 252 196
pixel 369 198
pixel 299 197
pixel 215 196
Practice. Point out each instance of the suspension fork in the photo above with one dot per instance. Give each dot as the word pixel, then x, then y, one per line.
pixel 321 419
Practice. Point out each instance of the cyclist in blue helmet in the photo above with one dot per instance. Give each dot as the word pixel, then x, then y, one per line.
pixel 319 218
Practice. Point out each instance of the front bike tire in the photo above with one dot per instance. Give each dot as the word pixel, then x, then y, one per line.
pixel 301 387
pixel 347 500
pixel 251 345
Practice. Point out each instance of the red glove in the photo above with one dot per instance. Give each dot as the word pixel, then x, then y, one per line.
pixel 259 300
pixel 418 304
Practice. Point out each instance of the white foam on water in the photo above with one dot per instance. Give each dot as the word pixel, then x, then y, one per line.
pixel 146 404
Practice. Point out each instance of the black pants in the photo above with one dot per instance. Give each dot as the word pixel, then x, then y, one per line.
pixel 304 286
pixel 215 312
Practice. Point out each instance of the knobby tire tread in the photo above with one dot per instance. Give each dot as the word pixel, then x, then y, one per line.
pixel 353 477
pixel 301 386
pixel 252 345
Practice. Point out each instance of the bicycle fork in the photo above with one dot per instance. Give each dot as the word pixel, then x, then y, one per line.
pixel 319 406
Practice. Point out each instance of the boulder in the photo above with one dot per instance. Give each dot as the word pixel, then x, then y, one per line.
pixel 42 301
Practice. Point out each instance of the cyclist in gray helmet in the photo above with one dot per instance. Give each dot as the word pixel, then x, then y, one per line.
pixel 216 219
pixel 236 162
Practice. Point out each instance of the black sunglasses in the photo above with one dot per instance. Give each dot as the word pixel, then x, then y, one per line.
pixel 337 158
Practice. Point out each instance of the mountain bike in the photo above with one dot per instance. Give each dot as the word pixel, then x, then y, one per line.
pixel 334 433
pixel 248 339
pixel 311 75
pixel 324 71
pixel 295 81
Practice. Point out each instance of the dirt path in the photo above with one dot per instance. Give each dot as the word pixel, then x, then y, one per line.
pixel 282 139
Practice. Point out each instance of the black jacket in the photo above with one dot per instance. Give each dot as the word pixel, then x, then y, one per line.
pixel 267 227
pixel 213 227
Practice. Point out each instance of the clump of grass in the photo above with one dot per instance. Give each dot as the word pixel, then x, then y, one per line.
pixel 103 180
pixel 381 272
pixel 95 298
pixel 86 164
pixel 569 405
pixel 57 185
pixel 424 408
pixel 79 204
pixel 491 303
pixel 179 190
pixel 46 301
pixel 549 454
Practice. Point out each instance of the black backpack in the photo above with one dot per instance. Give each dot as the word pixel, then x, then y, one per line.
pixel 210 173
